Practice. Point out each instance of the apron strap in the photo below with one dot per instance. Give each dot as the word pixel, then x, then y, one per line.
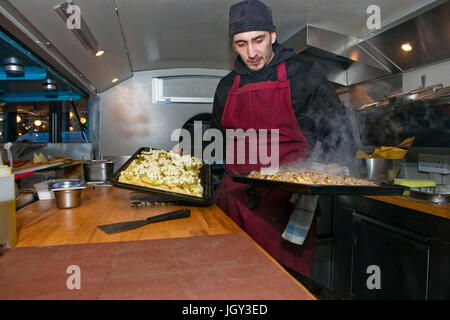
pixel 236 81
pixel 281 70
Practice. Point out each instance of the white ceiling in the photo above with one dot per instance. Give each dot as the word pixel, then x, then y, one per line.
pixel 187 33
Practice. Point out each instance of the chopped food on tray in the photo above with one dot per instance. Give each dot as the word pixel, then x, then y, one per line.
pixel 313 177
pixel 165 170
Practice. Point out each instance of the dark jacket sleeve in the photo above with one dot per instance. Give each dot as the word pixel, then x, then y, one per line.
pixel 329 118
pixel 216 115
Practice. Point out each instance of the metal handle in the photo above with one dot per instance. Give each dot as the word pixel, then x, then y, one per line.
pixel 171 215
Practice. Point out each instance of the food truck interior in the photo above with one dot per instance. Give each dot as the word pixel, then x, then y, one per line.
pixel 135 71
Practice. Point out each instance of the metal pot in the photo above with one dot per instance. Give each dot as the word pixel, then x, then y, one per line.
pixel 382 170
pixel 98 170
pixel 68 193
pixel 69 198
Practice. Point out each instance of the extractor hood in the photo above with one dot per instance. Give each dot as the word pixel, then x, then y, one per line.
pixel 349 60
pixel 344 60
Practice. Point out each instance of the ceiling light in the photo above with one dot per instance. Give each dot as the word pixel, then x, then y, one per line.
pixel 70 128
pixel 83 120
pixel 37 123
pixel 99 53
pixel 406 47
pixel 18 119
pixel 115 80
pixel 13 66
pixel 49 85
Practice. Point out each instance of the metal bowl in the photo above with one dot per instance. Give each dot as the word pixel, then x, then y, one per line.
pixel 382 170
pixel 68 193
pixel 69 198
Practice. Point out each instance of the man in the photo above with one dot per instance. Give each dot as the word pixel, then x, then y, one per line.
pixel 271 89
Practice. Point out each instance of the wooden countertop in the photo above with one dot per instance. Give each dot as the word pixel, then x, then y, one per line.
pixel 440 210
pixel 42 224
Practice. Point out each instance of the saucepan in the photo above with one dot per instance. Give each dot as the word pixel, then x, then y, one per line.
pixel 98 170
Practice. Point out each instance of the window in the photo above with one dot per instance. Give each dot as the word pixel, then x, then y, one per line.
pixel 41 122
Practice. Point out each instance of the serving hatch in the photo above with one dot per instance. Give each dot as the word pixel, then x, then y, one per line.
pixel 168 196
pixel 314 189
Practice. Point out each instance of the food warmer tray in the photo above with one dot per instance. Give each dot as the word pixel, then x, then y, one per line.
pixel 167 196
pixel 380 190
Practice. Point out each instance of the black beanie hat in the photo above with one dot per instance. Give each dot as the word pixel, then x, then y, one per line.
pixel 250 15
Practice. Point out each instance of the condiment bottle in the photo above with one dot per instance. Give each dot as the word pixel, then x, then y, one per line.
pixel 8 231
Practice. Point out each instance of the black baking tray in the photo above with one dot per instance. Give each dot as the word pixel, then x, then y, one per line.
pixel 312 189
pixel 167 196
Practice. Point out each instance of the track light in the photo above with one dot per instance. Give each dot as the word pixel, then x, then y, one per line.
pixel 81 31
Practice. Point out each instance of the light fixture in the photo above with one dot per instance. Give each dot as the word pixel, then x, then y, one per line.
pixel 83 34
pixel 49 85
pixel 70 115
pixel 13 66
pixel 115 80
pixel 70 128
pixel 99 53
pixel 406 47
pixel 37 123
pixel 83 120
pixel 18 119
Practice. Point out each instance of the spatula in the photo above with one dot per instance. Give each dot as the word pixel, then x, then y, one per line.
pixel 129 225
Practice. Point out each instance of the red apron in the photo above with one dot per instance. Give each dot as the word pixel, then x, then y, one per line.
pixel 266 105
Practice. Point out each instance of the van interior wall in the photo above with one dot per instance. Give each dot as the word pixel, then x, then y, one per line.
pixel 130 120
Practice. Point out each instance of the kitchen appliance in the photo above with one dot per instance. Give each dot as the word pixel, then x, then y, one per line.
pixel 98 170
pixel 205 181
pixel 68 193
pixel 129 225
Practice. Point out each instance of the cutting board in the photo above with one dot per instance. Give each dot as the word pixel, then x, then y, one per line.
pixel 215 267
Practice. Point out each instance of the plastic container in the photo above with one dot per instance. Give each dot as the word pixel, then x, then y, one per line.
pixel 8 230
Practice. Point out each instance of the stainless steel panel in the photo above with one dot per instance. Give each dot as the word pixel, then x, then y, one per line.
pixel 427 33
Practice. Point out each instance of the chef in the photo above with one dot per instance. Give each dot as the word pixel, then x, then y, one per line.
pixel 270 88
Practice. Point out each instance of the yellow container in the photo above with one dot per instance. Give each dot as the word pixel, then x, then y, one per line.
pixel 8 229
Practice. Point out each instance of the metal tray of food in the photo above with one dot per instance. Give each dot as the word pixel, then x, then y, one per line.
pixel 314 189
pixel 438 194
pixel 167 196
